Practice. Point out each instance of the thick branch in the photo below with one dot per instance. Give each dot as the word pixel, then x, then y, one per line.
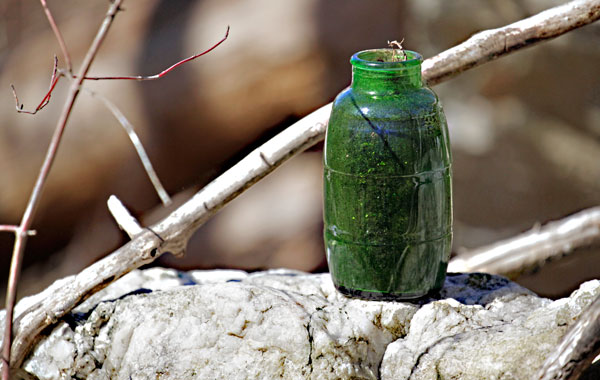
pixel 491 44
pixel 171 233
pixel 535 246
pixel 577 349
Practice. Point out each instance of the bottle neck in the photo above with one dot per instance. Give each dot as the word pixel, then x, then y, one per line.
pixel 374 73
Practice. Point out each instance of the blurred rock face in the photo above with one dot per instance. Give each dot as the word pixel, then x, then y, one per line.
pixel 525 129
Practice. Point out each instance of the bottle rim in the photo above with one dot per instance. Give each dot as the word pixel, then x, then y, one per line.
pixel 373 59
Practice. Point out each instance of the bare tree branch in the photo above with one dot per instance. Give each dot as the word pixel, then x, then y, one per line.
pixel 493 43
pixel 577 349
pixel 171 234
pixel 535 246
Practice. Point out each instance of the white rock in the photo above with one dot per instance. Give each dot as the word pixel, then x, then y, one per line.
pixel 161 323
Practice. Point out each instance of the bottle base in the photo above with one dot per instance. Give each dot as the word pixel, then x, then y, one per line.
pixel 377 296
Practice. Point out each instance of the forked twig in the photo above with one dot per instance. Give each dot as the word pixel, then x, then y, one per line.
pixel 46 99
pixel 57 74
pixel 137 143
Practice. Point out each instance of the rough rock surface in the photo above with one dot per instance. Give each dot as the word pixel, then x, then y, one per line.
pixel 164 324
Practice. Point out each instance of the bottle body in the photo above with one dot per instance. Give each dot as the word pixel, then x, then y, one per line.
pixel 387 188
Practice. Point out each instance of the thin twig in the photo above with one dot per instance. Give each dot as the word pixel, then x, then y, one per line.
pixel 46 99
pixel 26 221
pixel 135 140
pixel 512 256
pixel 175 229
pixel 576 350
pixel 58 35
pixel 165 71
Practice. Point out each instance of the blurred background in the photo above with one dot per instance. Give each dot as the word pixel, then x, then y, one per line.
pixel 525 129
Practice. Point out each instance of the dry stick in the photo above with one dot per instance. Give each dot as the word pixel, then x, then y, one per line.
pixel 59 37
pixel 533 247
pixel 137 143
pixel 26 221
pixel 124 219
pixel 577 349
pixel 171 233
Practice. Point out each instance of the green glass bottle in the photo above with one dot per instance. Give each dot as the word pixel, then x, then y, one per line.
pixel 387 180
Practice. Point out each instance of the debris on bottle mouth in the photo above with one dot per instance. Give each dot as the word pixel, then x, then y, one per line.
pixel 397 54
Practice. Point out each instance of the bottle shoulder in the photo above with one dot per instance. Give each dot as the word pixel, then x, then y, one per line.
pixel 390 134
pixel 409 104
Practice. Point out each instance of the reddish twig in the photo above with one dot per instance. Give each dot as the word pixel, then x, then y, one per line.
pixel 46 99
pixel 167 70
pixel 27 220
pixel 59 37
pixel 55 77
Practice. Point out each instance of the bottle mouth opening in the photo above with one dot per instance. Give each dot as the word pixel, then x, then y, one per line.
pixel 377 59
